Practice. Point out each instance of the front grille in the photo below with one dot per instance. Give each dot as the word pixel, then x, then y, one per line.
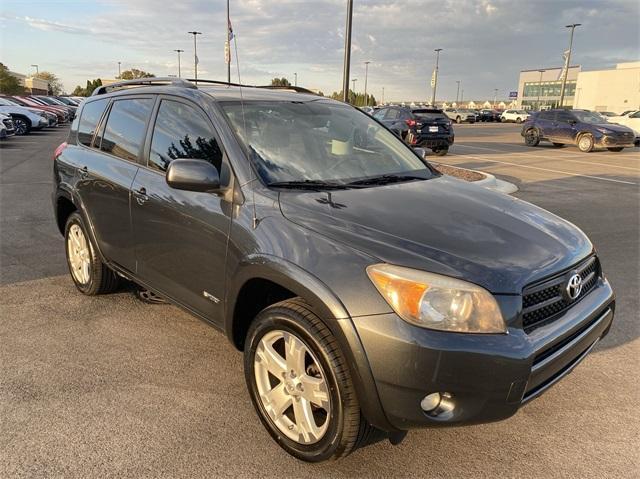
pixel 543 302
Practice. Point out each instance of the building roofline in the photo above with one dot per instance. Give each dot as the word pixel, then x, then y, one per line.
pixel 550 68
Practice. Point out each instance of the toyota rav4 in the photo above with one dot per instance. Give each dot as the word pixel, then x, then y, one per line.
pixel 369 293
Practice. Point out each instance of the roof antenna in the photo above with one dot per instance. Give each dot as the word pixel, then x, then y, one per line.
pixel 244 123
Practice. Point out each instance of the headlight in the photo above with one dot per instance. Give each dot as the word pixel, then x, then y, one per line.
pixel 437 302
pixel 605 131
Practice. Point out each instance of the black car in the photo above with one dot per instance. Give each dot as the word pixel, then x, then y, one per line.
pixel 489 115
pixel 419 127
pixel 369 293
pixel 583 128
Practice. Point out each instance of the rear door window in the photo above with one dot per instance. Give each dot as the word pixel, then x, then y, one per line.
pixel 181 131
pixel 126 125
pixel 392 114
pixel 379 115
pixel 89 118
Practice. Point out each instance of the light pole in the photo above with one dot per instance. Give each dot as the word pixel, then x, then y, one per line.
pixel 458 91
pixel 195 54
pixel 36 67
pixel 495 97
pixel 179 52
pixel 119 72
pixel 435 78
pixel 540 87
pixel 366 74
pixel 568 64
pixel 354 80
pixel 295 79
pixel 383 95
pixel 347 52
pixel 462 95
pixel 228 45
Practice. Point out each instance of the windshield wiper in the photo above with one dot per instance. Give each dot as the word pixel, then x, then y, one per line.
pixel 307 185
pixel 385 180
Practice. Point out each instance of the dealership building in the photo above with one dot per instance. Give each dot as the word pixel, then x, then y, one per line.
pixel 616 89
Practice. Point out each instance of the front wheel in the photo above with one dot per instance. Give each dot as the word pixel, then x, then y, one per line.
pixel 300 385
pixel 458 119
pixel 22 125
pixel 585 142
pixel 531 137
pixel 616 148
pixel 89 274
pixel 440 151
pixel 518 120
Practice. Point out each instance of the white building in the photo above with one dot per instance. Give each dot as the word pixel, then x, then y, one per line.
pixel 540 88
pixel 614 90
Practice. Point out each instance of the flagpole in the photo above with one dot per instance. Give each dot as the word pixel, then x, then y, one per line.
pixel 228 45
pixel 195 55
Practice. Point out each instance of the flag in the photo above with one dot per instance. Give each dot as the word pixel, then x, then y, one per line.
pixel 433 79
pixel 230 30
pixel 197 61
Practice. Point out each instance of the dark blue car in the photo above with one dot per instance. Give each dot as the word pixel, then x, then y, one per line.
pixel 583 128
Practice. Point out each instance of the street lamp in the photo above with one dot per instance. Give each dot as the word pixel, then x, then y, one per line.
pixel 347 52
pixel 495 97
pixel 434 81
pixel 119 72
pixel 36 67
pixel 295 79
pixel 195 55
pixel 568 64
pixel 540 87
pixel 458 91
pixel 366 73
pixel 179 52
pixel 383 95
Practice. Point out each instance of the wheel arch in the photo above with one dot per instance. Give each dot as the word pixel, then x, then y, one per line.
pixel 289 280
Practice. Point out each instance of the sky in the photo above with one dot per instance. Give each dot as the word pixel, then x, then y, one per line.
pixel 485 42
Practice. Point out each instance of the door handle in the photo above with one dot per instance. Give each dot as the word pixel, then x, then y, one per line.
pixel 84 172
pixel 141 195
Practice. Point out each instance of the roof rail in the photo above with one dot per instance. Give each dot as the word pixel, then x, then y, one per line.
pixel 170 81
pixel 268 87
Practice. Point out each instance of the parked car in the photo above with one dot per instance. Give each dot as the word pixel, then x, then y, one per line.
pixel 367 109
pixel 369 293
pixel 51 101
pixel 61 113
pixel 631 120
pixel 517 116
pixel 24 119
pixel 6 127
pixel 67 101
pixel 584 128
pixel 419 127
pixel 608 113
pixel 460 115
pixel 489 115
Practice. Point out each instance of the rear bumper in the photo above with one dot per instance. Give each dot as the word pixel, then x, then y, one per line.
pixel 488 376
pixel 434 141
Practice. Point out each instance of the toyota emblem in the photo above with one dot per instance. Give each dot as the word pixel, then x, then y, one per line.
pixel 574 286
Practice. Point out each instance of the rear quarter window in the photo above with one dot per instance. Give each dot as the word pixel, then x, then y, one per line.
pixel 89 118
pixel 126 127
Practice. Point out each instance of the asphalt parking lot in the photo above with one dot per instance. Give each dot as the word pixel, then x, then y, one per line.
pixel 109 386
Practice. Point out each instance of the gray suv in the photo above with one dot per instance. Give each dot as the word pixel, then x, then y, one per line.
pixel 369 293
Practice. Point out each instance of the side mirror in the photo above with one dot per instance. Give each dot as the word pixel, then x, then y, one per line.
pixel 193 175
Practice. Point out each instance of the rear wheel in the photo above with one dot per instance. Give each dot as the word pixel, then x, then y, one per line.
pixel 22 125
pixel 558 145
pixel 518 120
pixel 616 148
pixel 531 137
pixel 585 142
pixel 89 274
pixel 440 151
pixel 458 119
pixel 300 385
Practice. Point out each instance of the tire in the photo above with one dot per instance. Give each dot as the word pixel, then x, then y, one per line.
pixel 440 151
pixel 532 137
pixel 343 428
pixel 503 120
pixel 90 275
pixel 458 119
pixel 585 142
pixel 616 148
pixel 518 120
pixel 22 125
pixel 558 145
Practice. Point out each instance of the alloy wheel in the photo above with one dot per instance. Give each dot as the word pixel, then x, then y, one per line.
pixel 292 387
pixel 20 126
pixel 79 254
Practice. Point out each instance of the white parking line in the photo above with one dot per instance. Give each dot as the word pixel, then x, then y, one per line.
pixel 616 156
pixel 545 169
pixel 553 157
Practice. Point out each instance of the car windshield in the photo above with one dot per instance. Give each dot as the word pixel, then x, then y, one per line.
pixel 319 141
pixel 589 117
pixel 430 115
pixel 5 102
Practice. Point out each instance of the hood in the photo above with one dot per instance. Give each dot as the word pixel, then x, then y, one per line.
pixel 614 127
pixel 445 226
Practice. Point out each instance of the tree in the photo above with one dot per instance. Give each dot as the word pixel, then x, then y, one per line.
pixel 8 83
pixel 88 90
pixel 135 73
pixel 55 85
pixel 356 99
pixel 280 82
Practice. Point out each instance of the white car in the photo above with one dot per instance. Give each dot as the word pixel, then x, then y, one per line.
pixel 461 114
pixel 517 116
pixel 24 119
pixel 630 119
pixel 6 126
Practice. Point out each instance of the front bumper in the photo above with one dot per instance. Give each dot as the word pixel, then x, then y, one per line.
pixel 488 376
pixel 609 141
